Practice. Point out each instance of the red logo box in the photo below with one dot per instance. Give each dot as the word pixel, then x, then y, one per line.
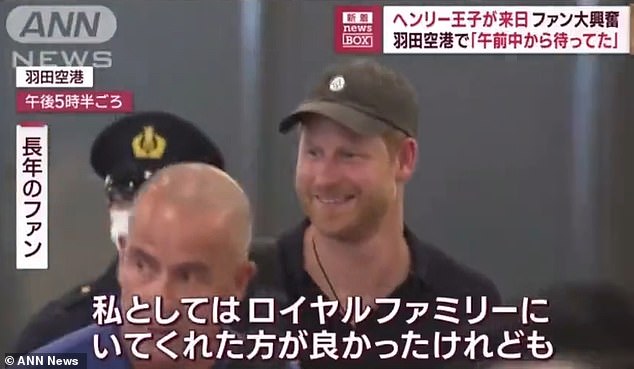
pixel 358 29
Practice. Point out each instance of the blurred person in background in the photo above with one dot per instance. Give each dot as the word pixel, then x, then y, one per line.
pixel 124 155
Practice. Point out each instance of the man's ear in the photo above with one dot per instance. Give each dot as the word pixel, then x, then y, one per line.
pixel 407 156
pixel 244 275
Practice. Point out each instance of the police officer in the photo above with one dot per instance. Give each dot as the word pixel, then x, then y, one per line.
pixel 124 155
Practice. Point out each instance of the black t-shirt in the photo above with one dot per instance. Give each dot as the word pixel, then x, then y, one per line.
pixel 416 329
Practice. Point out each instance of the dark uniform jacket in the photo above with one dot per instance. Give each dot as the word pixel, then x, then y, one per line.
pixel 69 313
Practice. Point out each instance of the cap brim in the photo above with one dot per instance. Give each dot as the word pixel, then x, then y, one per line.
pixel 349 117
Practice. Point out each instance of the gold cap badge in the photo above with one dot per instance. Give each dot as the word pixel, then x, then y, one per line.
pixel 148 144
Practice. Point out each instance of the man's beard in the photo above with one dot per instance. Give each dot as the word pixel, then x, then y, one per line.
pixel 359 220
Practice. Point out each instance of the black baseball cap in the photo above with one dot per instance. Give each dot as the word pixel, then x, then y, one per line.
pixel 363 95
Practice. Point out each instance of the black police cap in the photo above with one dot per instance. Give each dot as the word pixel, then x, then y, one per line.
pixel 127 152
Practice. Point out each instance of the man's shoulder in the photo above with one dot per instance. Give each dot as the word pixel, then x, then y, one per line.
pixel 82 341
pixel 79 341
pixel 65 314
pixel 57 318
pixel 67 301
pixel 266 258
pixel 449 276
pixel 82 294
pixel 293 236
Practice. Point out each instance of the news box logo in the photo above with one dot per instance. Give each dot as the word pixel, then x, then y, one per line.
pixel 358 29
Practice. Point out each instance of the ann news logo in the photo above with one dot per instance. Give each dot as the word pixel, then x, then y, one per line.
pixel 358 29
pixel 52 35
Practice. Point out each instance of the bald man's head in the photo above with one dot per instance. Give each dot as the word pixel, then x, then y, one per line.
pixel 189 236
pixel 196 190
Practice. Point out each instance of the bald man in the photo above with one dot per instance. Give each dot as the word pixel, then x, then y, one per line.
pixel 189 237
